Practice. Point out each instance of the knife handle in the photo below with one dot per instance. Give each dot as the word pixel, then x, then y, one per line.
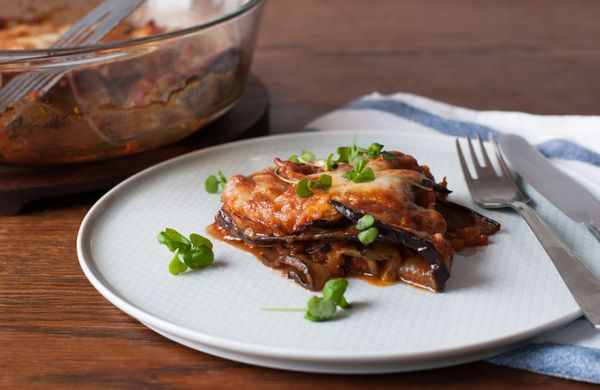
pixel 584 287
pixel 594 227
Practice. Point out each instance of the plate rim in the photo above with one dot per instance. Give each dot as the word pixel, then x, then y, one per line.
pixel 296 354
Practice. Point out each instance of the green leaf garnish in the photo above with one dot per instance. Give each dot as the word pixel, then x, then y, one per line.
pixel 374 149
pixel 196 252
pixel 363 177
pixel 361 173
pixel 360 166
pixel 320 309
pixel 344 154
pixel 322 183
pixel 334 290
pixel 365 222
pixel 302 189
pixel 369 235
pixel 174 241
pixel 199 257
pixel 307 156
pixel 331 163
pixel 198 240
pixel 176 267
pixel 212 183
pixel 294 159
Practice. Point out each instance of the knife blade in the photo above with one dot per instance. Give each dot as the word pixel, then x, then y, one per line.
pixel 562 191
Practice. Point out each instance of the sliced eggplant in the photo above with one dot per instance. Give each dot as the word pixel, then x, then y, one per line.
pixel 243 230
pixel 440 188
pixel 391 234
pixel 300 269
pixel 459 217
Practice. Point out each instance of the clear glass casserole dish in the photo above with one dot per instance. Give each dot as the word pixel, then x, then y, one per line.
pixel 170 69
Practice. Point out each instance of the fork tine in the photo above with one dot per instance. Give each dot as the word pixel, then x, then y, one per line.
pixel 499 157
pixel 36 84
pixel 17 91
pixel 481 172
pixel 486 158
pixel 465 168
pixel 12 88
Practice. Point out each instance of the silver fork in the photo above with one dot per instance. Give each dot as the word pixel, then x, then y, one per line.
pixel 88 30
pixel 491 190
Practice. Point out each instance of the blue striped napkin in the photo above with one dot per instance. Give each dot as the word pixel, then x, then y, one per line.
pixel 571 142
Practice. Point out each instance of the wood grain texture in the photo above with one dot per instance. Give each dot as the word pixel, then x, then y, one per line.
pixel 532 55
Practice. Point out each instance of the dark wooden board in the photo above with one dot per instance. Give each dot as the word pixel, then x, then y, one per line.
pixel 21 184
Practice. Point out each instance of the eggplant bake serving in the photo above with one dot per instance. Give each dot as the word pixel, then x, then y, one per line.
pixel 370 213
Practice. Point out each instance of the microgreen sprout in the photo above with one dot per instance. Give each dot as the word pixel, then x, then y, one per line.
pixel 212 183
pixel 323 182
pixel 374 150
pixel 334 291
pixel 176 266
pixel 369 235
pixel 331 163
pixel 365 222
pixel 302 189
pixel 344 154
pixel 319 309
pixel 306 156
pixel 361 173
pixel 195 252
pixel 285 179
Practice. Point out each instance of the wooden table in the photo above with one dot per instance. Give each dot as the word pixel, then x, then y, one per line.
pixel 538 56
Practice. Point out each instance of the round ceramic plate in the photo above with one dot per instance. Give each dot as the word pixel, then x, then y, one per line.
pixel 497 296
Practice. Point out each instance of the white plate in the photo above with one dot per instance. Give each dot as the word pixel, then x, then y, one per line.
pixel 497 297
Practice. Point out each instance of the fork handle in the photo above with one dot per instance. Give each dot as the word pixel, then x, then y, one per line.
pixel 584 287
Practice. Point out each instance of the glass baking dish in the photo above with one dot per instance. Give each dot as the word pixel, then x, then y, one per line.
pixel 174 67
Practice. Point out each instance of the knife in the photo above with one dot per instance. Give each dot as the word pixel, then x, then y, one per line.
pixel 562 191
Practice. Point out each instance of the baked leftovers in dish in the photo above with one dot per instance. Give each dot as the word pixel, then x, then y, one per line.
pixel 370 213
pixel 130 97
pixel 28 35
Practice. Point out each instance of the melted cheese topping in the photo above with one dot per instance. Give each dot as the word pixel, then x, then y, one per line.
pixel 273 204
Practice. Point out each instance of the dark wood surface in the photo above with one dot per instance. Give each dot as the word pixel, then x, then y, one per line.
pixel 314 55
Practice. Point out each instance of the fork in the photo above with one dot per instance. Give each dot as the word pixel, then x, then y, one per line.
pixel 88 30
pixel 491 190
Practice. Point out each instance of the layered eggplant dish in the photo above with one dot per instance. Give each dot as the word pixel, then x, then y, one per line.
pixel 367 213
